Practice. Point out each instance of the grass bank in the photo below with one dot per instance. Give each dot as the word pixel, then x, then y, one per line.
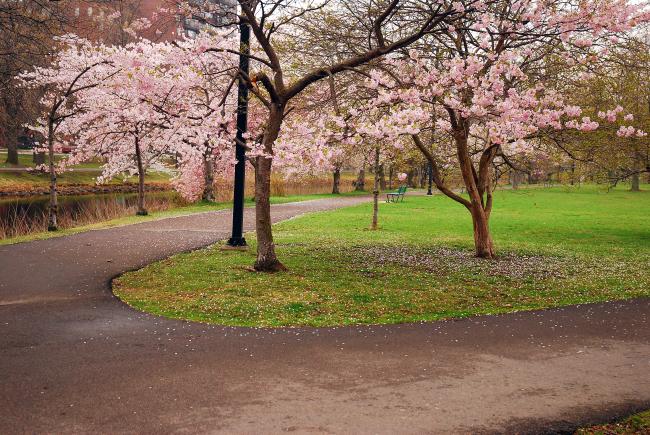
pixel 556 247
pixel 199 207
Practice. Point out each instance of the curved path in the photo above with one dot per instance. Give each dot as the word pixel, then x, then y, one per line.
pixel 74 359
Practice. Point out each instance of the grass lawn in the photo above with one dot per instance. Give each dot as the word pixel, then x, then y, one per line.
pixel 636 424
pixel 25 159
pixel 32 179
pixel 556 246
pixel 199 207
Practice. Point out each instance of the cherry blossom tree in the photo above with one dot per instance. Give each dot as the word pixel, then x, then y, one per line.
pixel 77 68
pixel 393 26
pixel 207 121
pixel 483 84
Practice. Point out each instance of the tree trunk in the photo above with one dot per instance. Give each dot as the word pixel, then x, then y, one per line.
pixel 208 174
pixel 138 155
pixel 390 178
pixel 360 183
pixel 12 153
pixel 11 132
pixel 382 177
pixel 52 224
pixel 11 137
pixel 410 177
pixel 482 237
pixel 267 260
pixel 635 183
pixel 423 176
pixel 336 185
pixel 375 193
pixel 514 179
pixel 473 182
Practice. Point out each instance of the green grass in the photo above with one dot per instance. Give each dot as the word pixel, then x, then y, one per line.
pixel 557 246
pixel 31 179
pixel 26 160
pixel 636 424
pixel 199 207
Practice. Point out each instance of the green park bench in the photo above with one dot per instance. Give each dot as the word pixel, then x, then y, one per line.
pixel 396 196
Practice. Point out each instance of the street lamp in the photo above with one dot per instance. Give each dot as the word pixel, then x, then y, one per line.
pixel 237 238
pixel 430 171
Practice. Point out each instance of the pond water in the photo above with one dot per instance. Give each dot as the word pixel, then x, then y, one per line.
pixel 19 216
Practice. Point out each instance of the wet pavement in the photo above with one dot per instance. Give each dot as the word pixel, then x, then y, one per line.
pixel 75 359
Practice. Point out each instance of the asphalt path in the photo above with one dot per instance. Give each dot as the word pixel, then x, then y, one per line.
pixel 74 359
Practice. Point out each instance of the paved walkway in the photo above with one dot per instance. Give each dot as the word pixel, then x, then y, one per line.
pixel 75 359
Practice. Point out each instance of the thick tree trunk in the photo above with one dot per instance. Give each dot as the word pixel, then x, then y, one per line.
pixel 360 183
pixel 208 174
pixel 477 184
pixel 375 193
pixel 267 260
pixel 336 183
pixel 142 211
pixel 12 153
pixel 390 178
pixel 52 223
pixel 482 237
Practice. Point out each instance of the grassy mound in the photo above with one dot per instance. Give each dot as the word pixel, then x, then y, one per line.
pixel 556 247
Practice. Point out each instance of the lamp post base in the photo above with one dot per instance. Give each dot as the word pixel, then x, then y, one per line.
pixel 236 243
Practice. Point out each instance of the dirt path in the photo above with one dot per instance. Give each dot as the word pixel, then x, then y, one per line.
pixel 75 359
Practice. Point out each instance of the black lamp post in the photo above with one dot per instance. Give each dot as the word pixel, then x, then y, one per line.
pixel 237 238
pixel 430 171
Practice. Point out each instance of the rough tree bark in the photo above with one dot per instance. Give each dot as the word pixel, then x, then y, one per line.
pixel 267 260
pixel 336 182
pixel 375 193
pixel 142 211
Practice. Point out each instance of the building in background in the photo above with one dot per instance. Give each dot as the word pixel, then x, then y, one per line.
pixel 120 21
pixel 214 13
